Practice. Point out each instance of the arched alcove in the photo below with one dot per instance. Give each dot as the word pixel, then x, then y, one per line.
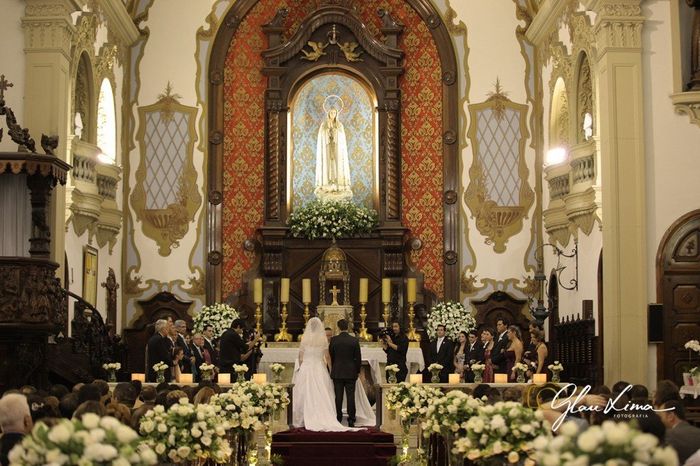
pixel 584 100
pixel 83 117
pixel 559 123
pixel 107 122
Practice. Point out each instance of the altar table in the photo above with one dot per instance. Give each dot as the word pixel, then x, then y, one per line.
pixel 374 356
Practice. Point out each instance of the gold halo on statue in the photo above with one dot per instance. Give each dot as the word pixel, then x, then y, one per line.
pixel 342 104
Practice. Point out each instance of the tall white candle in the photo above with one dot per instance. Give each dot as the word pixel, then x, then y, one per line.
pixel 386 290
pixel 257 291
pixel 411 290
pixel 306 290
pixel 364 284
pixel 284 291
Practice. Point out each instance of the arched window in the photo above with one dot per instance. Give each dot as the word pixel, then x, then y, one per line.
pixel 584 94
pixel 107 123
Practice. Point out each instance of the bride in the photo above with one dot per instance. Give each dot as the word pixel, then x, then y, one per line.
pixel 313 394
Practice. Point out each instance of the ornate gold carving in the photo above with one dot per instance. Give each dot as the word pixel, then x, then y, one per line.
pixel 620 28
pixel 317 51
pixel 468 284
pixel 132 284
pixel 584 96
pixel 688 103
pixel 166 208
pixel 499 205
pixel 348 49
pixel 392 165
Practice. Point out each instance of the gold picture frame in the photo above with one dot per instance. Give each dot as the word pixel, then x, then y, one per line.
pixel 90 262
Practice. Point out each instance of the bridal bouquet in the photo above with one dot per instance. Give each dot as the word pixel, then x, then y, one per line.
pixel 454 316
pixel 186 432
pixel 90 440
pixel 448 414
pixel 609 443
pixel 410 401
pixel 219 316
pixel 504 431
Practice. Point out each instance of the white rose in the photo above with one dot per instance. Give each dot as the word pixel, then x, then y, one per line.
pixel 125 434
pixel 90 420
pixel 183 451
pixel 121 462
pixel 589 440
pixel 148 456
pixel 160 448
pixel 162 428
pixel 60 433
pixel 97 435
pixel 206 440
pixel 569 429
pixel 56 457
pixel 109 423
pixel 100 453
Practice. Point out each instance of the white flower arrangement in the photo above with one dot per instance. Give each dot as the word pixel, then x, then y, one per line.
pixel 454 316
pixel 276 368
pixel 695 371
pixel 410 401
pixel 331 219
pixel 477 366
pixel 160 366
pixel 505 429
pixel 392 368
pixel 90 440
pixel 186 432
pixel 249 406
pixel 447 415
pixel 111 366
pixel 240 368
pixel 556 367
pixel 693 345
pixel 520 367
pixel 219 316
pixel 610 443
pixel 435 367
pixel 204 367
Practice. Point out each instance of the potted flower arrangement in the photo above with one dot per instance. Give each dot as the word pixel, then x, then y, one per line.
pixel 610 443
pixel 159 368
pixel 276 369
pixel 501 433
pixel 89 440
pixel 435 369
pixel 695 375
pixel 219 316
pixel 392 370
pixel 331 219
pixel 520 368
pixel 454 316
pixel 186 433
pixel 240 370
pixel 478 370
pixel 207 371
pixel 112 368
pixel 556 369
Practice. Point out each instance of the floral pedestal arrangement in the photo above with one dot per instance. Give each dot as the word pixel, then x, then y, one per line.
pixel 240 370
pixel 478 370
pixel 277 370
pixel 435 372
pixel 520 369
pixel 112 368
pixel 392 370
pixel 556 369
pixel 207 371
pixel 159 368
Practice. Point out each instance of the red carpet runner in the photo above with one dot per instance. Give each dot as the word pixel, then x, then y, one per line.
pixel 300 447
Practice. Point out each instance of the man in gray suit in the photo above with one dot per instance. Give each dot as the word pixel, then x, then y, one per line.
pixel 346 362
pixel 683 437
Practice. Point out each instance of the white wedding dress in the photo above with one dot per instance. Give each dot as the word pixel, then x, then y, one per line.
pixel 313 397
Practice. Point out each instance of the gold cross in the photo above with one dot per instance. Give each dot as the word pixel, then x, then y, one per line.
pixel 334 291
pixel 4 85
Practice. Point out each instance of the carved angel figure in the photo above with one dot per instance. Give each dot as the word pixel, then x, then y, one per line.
pixel 318 51
pixel 348 49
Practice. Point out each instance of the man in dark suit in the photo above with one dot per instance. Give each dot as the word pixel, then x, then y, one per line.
pixel 15 422
pixel 200 355
pixel 160 350
pixel 442 352
pixel 500 345
pixel 680 435
pixel 234 350
pixel 475 353
pixel 210 344
pixel 188 361
pixel 346 361
pixel 395 346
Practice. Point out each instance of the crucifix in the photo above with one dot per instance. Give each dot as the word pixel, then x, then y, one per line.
pixel 4 85
pixel 334 291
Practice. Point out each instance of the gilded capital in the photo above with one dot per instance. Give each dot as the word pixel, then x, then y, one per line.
pixel 619 25
pixel 48 26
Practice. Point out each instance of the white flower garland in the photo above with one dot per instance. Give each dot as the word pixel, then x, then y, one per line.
pixel 219 316
pixel 249 406
pixel 454 316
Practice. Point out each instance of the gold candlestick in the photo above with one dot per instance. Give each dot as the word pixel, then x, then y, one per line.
pixel 362 334
pixel 258 318
pixel 412 334
pixel 385 315
pixel 283 335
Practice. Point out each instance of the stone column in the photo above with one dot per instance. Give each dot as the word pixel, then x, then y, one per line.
pixel 621 124
pixel 48 29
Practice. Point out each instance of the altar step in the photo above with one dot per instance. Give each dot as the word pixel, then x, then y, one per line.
pixel 300 447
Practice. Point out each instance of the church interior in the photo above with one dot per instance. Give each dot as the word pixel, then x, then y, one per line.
pixel 530 161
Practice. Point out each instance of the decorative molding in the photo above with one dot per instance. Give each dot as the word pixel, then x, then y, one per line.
pixel 688 103
pixel 547 20
pixel 120 22
pixel 618 25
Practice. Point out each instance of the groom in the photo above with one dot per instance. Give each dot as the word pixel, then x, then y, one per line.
pixel 346 361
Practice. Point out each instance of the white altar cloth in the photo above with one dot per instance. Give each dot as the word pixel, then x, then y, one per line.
pixel 374 356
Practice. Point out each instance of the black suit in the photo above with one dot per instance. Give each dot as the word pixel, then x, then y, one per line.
pixel 159 350
pixel 7 441
pixel 398 356
pixel 346 361
pixel 443 356
pixel 498 353
pixel 232 350
pixel 213 354
pixel 185 363
pixel 475 353
pixel 198 361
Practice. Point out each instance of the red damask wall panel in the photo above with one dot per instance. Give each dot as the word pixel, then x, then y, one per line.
pixel 421 135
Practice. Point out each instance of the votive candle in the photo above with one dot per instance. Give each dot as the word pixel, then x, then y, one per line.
pixel 224 379
pixel 260 378
pixel 284 291
pixel 386 290
pixel 453 379
pixel 416 379
pixel 306 290
pixel 411 290
pixel 138 376
pixel 364 284
pixel 500 378
pixel 185 378
pixel 539 378
pixel 257 291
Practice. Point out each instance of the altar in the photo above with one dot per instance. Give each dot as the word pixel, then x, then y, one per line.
pixel 371 353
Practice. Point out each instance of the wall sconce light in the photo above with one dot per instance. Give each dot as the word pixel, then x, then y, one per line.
pixel 539 312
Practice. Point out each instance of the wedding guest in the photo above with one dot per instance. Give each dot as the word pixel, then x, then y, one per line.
pixel 500 344
pixel 204 395
pixel 124 393
pixel 514 353
pixel 441 352
pixel 90 406
pixel 666 390
pixel 475 353
pixel 395 345
pixel 460 354
pixel 181 340
pixel 119 411
pixel 88 392
pixel 540 352
pixel 234 349
pixel 329 333
pixel 148 399
pixel 178 356
pixel 487 338
pixel 201 355
pixel 15 422
pixel 68 405
pixel 680 435
pixel 173 397
pixel 639 394
pixel 158 350
pixel 210 344
pixel 531 344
